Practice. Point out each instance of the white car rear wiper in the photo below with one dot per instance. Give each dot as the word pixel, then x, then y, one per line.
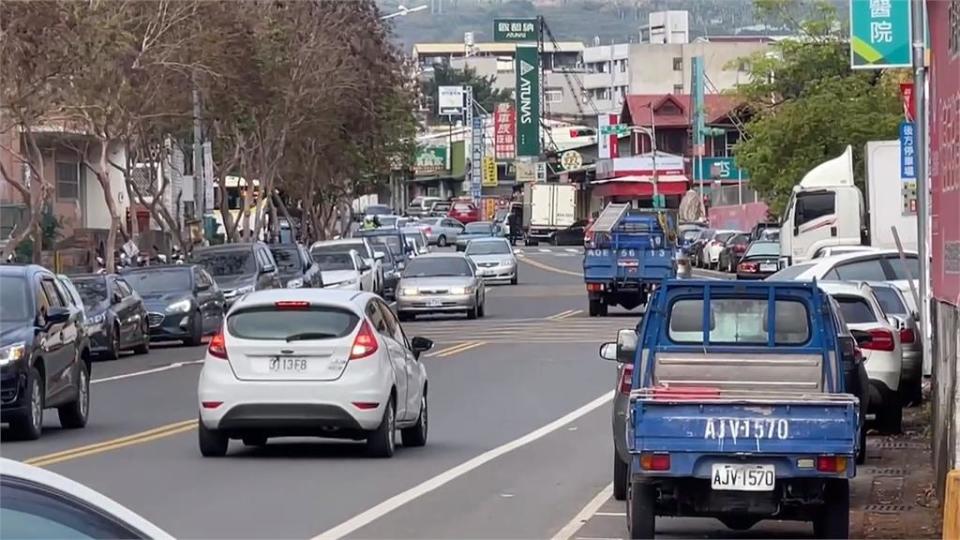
pixel 309 335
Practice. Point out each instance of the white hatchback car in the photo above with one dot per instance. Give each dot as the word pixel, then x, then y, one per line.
pixel 879 342
pixel 313 362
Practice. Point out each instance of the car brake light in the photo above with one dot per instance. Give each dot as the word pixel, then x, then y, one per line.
pixel 655 462
pixel 211 404
pixel 626 379
pixel 880 340
pixel 291 305
pixel 364 344
pixel 366 405
pixel 747 267
pixel 907 335
pixel 831 464
pixel 427 230
pixel 218 346
pixel 594 287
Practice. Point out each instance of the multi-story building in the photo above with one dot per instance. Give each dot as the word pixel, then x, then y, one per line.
pixel 668 27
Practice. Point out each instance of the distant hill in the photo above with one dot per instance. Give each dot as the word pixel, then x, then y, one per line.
pixel 578 20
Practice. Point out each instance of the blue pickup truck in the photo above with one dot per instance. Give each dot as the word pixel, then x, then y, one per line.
pixel 629 252
pixel 740 408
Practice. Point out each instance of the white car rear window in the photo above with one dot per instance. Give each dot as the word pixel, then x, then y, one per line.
pixel 315 322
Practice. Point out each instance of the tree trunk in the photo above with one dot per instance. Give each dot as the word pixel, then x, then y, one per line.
pixel 102 173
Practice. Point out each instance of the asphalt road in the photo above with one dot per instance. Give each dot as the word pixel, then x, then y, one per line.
pixel 519 442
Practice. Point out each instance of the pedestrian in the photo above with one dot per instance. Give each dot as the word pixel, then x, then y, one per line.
pixel 513 222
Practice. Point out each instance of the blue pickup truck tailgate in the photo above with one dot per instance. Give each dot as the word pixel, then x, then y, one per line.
pixel 627 264
pixel 724 427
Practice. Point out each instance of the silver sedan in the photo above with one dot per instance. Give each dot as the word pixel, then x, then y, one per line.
pixel 440 231
pixel 440 283
pixel 494 258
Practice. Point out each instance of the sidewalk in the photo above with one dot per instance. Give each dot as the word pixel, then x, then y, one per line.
pixel 893 494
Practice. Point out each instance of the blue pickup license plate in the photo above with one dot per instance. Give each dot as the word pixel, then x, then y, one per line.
pixel 742 477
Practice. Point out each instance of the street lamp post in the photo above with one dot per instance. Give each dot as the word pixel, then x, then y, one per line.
pixel 652 133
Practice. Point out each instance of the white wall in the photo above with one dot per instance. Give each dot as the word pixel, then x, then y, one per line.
pixel 652 66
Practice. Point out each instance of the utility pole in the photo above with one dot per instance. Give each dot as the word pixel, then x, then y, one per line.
pixel 923 184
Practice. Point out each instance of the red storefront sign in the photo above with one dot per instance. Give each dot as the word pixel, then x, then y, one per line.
pixel 504 125
pixel 945 149
pixel 906 97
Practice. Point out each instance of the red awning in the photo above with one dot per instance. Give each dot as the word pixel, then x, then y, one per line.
pixel 639 186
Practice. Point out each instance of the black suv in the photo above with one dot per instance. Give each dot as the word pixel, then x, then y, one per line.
pixel 44 359
pixel 239 269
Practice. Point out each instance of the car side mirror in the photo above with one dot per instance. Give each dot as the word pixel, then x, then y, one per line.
pixel 57 315
pixel 862 337
pixel 379 255
pixel 116 299
pixel 203 287
pixel 420 345
pixel 608 351
pixel 626 345
pixel 895 321
pixel 267 269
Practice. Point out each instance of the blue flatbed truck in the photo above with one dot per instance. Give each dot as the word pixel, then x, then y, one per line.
pixel 739 409
pixel 630 251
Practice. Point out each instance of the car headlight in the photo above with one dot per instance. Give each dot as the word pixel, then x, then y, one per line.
pixel 409 291
pixel 295 283
pixel 180 306
pixel 12 353
pixel 506 262
pixel 98 318
pixel 462 290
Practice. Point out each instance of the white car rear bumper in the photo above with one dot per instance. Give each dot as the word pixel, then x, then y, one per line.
pixel 289 404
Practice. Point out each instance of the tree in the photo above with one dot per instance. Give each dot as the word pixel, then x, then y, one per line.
pixel 484 92
pixel 809 105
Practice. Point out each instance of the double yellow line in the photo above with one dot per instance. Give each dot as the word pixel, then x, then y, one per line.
pixel 456 349
pixel 114 444
pixel 565 314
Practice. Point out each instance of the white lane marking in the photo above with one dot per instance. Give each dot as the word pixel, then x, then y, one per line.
pixel 167 367
pixel 611 514
pixel 518 250
pixel 585 514
pixel 543 250
pixel 365 518
pixel 572 250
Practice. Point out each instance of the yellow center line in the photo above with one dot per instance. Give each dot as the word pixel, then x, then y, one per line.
pixel 447 350
pixel 112 444
pixel 468 346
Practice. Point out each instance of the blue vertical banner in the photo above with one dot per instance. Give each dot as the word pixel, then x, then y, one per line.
pixel 908 170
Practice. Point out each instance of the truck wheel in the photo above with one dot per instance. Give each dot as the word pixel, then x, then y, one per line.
pixel 603 309
pixel 833 519
pixel 595 307
pixel 640 510
pixel 621 476
pixel 442 241
pixel 890 416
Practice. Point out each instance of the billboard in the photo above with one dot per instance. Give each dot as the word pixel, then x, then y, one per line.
pixel 880 34
pixel 944 102
pixel 528 100
pixel 504 135
pixel 449 100
pixel 515 30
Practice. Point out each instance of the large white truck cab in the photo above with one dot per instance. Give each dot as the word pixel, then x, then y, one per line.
pixel 825 209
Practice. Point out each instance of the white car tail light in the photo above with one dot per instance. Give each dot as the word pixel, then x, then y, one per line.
pixel 365 344
pixel 218 346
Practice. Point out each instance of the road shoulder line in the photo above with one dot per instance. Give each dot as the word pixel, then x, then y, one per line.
pixel 585 514
pixel 372 514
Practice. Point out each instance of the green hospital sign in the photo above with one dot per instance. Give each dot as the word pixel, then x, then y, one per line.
pixel 880 34
pixel 515 30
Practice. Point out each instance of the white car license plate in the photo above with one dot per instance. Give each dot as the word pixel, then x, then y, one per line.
pixel 768 267
pixel 742 477
pixel 288 364
pixel 434 302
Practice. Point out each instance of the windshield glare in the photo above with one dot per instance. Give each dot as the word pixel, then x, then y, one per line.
pixel 438 267
pixel 739 321
pixel 92 291
pixel 234 263
pixel 333 261
pixel 763 248
pixel 791 272
pixel 159 281
pixel 488 248
pixel 13 298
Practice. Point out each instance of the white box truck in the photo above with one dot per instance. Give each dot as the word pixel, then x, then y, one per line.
pixel 826 209
pixel 547 208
